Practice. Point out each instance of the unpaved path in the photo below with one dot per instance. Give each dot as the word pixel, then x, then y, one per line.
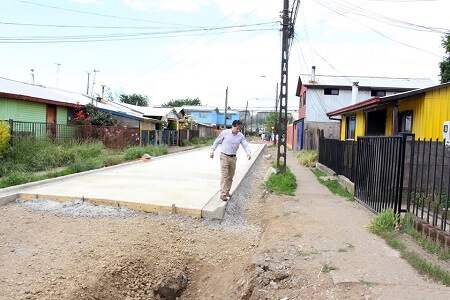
pixel 267 247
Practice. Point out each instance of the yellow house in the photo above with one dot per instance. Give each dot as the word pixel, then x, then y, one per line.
pixel 422 112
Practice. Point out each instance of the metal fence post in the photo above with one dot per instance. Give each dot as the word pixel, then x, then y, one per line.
pixel 411 169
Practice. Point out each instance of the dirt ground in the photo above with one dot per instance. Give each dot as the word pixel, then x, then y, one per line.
pixel 267 247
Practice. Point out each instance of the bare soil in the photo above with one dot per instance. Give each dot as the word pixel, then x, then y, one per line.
pixel 310 246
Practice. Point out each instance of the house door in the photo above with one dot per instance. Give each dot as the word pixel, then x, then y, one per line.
pixel 51 121
pixel 300 135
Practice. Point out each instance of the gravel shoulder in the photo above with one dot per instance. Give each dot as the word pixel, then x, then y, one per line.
pixel 267 247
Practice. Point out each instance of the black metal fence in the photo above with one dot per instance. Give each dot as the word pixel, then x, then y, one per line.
pixel 429 182
pixel 340 156
pixel 159 137
pixel 379 172
pixel 395 172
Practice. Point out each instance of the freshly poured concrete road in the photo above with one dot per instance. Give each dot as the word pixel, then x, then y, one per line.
pixel 185 182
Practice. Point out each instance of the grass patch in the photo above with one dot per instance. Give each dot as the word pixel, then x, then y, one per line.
pixel 328 268
pixel 282 183
pixel 308 158
pixel 387 225
pixel 426 243
pixel 343 250
pixel 199 142
pixel 30 155
pixel 425 268
pixel 306 253
pixel 332 185
pixel 298 235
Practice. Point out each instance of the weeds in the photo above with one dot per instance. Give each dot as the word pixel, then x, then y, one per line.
pixel 332 185
pixel 387 225
pixel 30 155
pixel 308 158
pixel 282 183
pixel 328 268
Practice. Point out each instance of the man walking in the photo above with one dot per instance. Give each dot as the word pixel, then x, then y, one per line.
pixel 230 140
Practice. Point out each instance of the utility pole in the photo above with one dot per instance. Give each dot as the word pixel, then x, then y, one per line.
pixel 93 81
pixel 276 109
pixel 57 73
pixel 288 34
pixel 226 107
pixel 32 76
pixel 245 118
pixel 87 89
pixel 282 120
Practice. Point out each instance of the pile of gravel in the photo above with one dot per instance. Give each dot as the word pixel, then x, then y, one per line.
pixel 77 208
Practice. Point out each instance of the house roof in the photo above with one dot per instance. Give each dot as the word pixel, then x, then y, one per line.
pixel 368 82
pixel 12 89
pixel 379 100
pixel 198 108
pixel 151 111
pixel 119 109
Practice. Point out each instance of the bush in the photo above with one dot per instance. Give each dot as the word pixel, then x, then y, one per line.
pixel 385 222
pixel 16 178
pixel 5 137
pixel 308 158
pixel 36 154
pixel 85 164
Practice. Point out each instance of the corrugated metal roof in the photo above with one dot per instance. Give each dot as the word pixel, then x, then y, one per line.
pixel 367 81
pixel 198 108
pixel 13 87
pixel 151 111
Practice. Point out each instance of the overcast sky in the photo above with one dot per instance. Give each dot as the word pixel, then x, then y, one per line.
pixel 197 48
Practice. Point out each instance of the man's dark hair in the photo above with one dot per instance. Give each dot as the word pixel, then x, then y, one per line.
pixel 236 123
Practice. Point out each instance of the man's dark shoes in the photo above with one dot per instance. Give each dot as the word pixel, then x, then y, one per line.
pixel 223 197
pixel 229 195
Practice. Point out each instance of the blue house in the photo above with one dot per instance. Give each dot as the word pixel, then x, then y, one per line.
pixel 231 116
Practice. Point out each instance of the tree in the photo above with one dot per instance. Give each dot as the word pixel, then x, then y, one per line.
pixel 445 64
pixel 92 115
pixel 181 102
pixel 271 120
pixel 135 99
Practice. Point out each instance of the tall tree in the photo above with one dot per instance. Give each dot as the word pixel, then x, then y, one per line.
pixel 445 64
pixel 271 121
pixel 135 99
pixel 181 102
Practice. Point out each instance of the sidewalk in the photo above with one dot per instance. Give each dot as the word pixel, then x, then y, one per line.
pixel 337 229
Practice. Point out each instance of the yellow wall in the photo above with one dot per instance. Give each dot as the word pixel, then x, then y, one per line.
pixel 429 113
pixel 359 128
pixel 360 124
pixel 343 126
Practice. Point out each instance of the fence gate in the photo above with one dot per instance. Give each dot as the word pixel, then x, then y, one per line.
pixel 380 171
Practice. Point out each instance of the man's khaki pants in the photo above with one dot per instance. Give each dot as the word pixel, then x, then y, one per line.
pixel 227 169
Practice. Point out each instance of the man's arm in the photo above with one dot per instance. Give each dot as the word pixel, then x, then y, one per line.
pixel 216 143
pixel 246 148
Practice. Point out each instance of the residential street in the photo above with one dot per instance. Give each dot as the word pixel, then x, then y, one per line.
pixel 313 245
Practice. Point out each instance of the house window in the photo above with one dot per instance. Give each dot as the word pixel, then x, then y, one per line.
pixel 304 98
pixel 203 115
pixel 405 121
pixel 350 128
pixel 331 92
pixel 377 93
pixel 229 117
pixel 301 101
pixel 70 115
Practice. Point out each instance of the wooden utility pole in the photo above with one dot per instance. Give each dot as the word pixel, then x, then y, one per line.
pixel 245 118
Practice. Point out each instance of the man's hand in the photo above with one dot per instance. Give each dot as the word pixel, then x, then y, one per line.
pixel 249 156
pixel 211 155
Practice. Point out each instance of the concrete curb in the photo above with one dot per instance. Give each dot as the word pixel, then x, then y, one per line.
pixel 215 208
